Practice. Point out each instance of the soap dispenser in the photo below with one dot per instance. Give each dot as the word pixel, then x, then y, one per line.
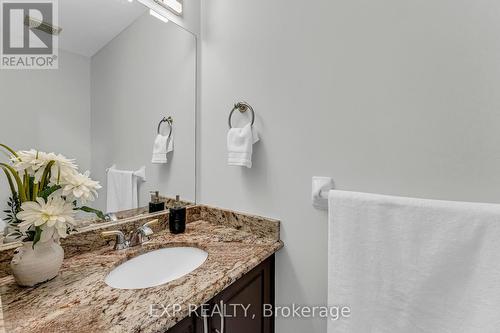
pixel 177 217
pixel 156 205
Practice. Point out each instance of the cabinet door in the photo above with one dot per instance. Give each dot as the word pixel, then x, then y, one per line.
pixel 187 325
pixel 242 306
pixel 243 303
pixel 193 324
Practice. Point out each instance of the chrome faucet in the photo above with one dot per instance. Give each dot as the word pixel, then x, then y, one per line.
pixel 141 235
pixel 138 237
pixel 120 241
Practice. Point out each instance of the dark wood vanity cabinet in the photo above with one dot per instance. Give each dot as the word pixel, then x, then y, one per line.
pixel 245 304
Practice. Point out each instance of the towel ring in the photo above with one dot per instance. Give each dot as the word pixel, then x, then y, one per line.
pixel 242 107
pixel 169 121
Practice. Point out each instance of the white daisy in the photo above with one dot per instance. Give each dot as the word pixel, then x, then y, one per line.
pixel 34 162
pixel 62 169
pixel 81 187
pixel 53 216
pixel 30 160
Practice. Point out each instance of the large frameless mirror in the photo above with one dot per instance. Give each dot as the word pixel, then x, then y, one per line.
pixel 113 103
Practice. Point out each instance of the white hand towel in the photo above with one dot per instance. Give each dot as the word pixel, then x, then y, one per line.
pixel 413 265
pixel 122 189
pixel 162 146
pixel 240 143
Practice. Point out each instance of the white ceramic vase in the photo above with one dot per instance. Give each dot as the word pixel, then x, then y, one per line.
pixel 31 266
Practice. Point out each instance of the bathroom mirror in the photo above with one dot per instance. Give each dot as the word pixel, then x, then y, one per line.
pixel 121 69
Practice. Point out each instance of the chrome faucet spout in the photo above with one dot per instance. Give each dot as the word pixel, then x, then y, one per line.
pixel 141 235
pixel 137 237
pixel 120 241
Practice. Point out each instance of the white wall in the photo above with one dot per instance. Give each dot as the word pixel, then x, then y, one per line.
pixel 390 96
pixel 144 74
pixel 47 110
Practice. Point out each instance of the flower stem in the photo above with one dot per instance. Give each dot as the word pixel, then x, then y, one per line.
pixel 35 191
pixel 10 150
pixel 20 188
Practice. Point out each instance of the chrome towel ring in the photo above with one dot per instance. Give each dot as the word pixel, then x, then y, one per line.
pixel 169 121
pixel 242 107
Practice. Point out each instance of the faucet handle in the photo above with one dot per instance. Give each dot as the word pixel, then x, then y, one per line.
pixel 120 241
pixel 141 235
pixel 146 229
pixel 151 223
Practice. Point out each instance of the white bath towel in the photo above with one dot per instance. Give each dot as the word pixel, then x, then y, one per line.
pixel 240 143
pixel 413 265
pixel 161 147
pixel 122 189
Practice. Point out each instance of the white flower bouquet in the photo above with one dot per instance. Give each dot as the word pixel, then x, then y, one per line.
pixel 47 189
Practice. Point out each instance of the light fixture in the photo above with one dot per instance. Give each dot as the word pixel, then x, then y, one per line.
pixel 158 15
pixel 156 10
pixel 172 5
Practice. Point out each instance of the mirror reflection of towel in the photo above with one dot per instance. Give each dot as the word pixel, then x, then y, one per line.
pixel 160 149
pixel 123 188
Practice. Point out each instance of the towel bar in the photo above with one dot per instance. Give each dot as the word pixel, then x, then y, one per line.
pixel 242 107
pixel 321 187
pixel 323 194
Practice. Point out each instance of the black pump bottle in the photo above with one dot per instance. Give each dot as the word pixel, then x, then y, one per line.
pixel 177 218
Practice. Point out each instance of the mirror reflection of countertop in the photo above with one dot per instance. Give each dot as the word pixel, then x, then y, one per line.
pixel 78 300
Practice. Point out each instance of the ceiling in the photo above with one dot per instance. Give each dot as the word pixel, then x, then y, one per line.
pixel 88 25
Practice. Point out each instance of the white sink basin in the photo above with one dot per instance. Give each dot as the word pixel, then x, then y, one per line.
pixel 156 268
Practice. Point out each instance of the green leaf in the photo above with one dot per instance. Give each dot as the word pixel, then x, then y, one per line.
pixel 14 208
pixel 91 210
pixel 38 235
pixel 30 235
pixel 48 191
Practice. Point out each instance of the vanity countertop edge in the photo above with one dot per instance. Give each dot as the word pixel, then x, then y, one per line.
pixel 78 300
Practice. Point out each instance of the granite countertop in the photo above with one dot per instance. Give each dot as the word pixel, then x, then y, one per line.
pixel 78 300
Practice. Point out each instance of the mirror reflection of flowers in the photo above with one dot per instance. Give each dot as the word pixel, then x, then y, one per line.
pixel 46 191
